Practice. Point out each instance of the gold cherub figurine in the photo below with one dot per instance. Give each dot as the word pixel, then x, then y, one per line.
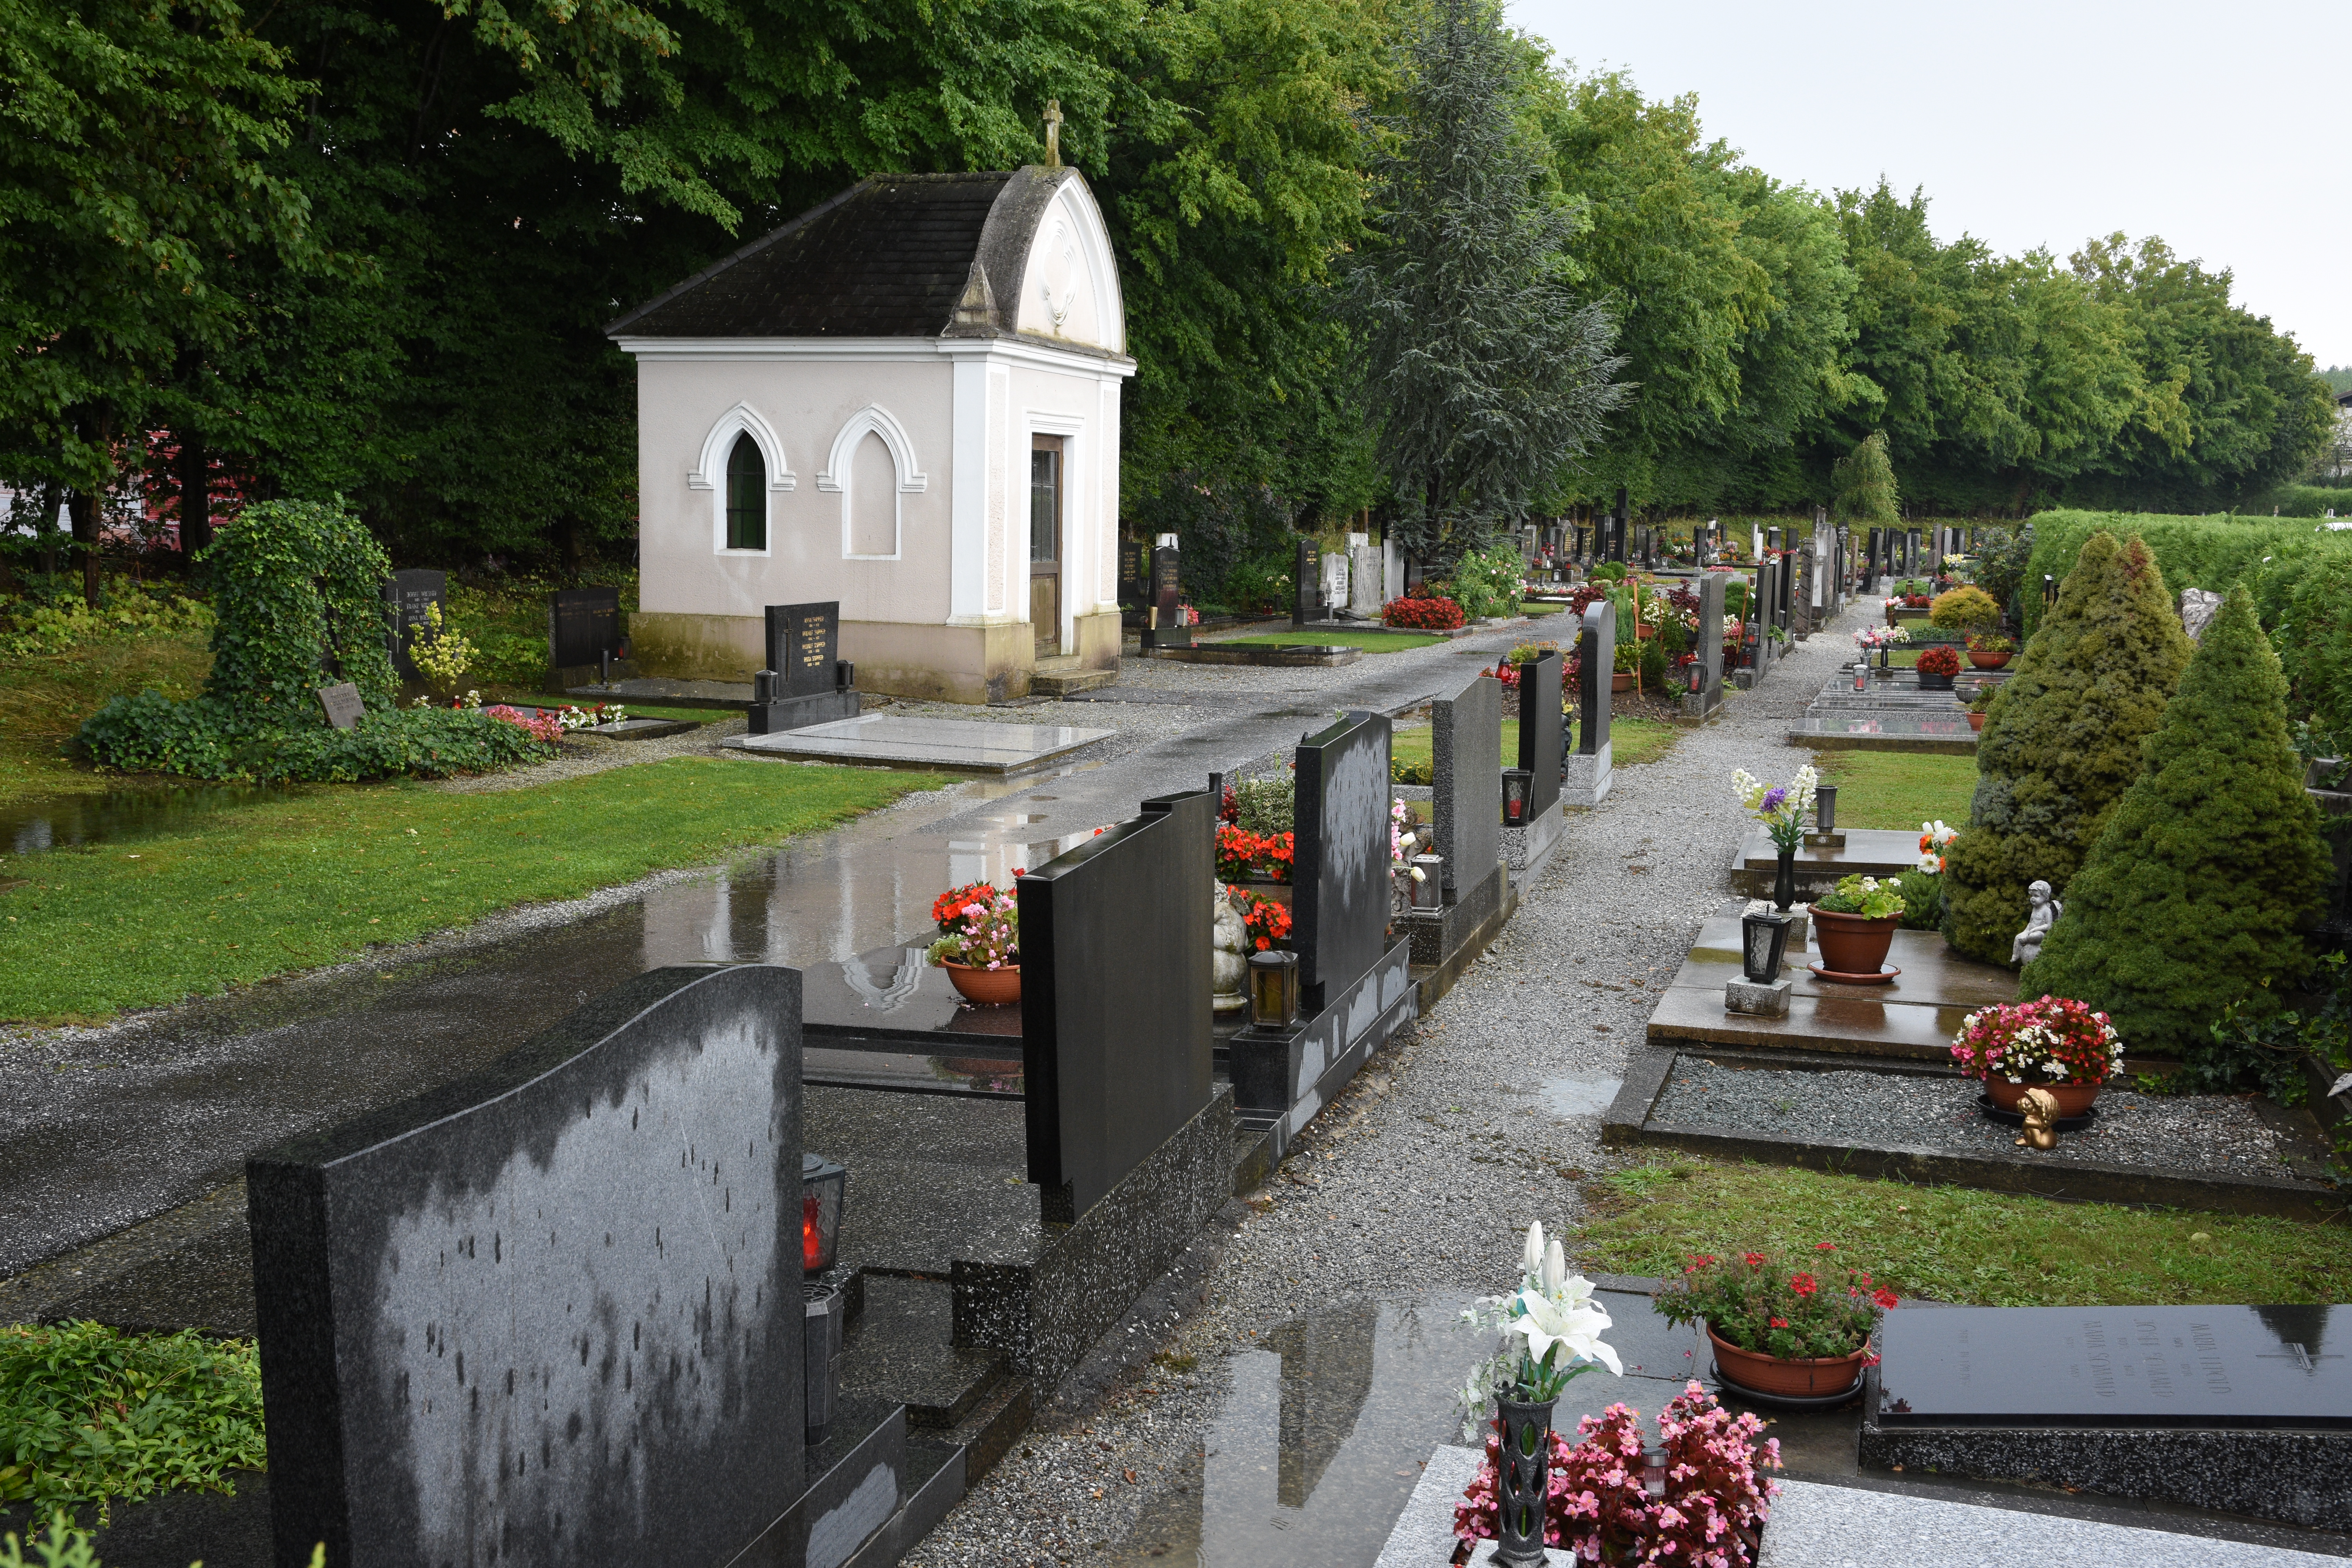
pixel 2041 1120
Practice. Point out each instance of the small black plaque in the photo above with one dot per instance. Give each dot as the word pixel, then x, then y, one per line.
pixel 803 646
pixel 584 625
pixel 2116 1366
pixel 342 704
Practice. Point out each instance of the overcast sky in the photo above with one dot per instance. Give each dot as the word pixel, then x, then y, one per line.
pixel 2226 129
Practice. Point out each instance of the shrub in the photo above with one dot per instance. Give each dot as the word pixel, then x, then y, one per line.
pixel 1488 581
pixel 1259 587
pixel 1862 485
pixel 2061 742
pixel 2001 562
pixel 1430 614
pixel 1938 660
pixel 1965 606
pixel 2193 895
pixel 132 610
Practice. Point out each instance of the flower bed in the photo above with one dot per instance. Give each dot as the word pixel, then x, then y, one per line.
pixel 1422 615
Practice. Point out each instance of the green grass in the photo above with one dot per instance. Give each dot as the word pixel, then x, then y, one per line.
pixel 1898 790
pixel 1954 1244
pixel 1371 642
pixel 635 710
pixel 1632 742
pixel 88 1414
pixel 289 885
pixel 1527 607
pixel 43 698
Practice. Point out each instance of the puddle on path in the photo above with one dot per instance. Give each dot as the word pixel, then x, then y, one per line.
pixel 1580 1093
pixel 34 828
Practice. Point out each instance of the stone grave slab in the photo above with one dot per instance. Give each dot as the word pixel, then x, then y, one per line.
pixel 1948 733
pixel 1590 769
pixel 1115 979
pixel 891 1019
pixel 1340 877
pixel 407 597
pixel 2247 1409
pixel 955 745
pixel 1868 852
pixel 342 705
pixel 552 1306
pixel 1271 654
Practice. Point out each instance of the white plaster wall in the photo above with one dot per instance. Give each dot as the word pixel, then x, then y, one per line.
pixel 1070 287
pixel 1083 409
pixel 806 404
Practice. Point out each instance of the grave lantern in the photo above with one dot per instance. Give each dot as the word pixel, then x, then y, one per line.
pixel 1825 808
pixel 823 1185
pixel 1763 939
pixel 1654 1470
pixel 1697 676
pixel 1516 784
pixel 1429 892
pixel 1860 674
pixel 1273 989
pixel 2049 589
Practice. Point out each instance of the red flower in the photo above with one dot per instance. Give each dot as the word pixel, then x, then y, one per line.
pixel 1753 1259
pixel 1825 1246
pixel 1780 1322
pixel 1803 1284
pixel 1884 1297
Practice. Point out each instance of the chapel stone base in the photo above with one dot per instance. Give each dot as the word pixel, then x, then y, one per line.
pixel 938 663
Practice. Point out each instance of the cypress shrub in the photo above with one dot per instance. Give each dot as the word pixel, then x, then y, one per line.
pixel 2061 742
pixel 2192 897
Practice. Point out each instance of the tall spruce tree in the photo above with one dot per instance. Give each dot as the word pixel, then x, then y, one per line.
pixel 2193 894
pixel 1862 486
pixel 2063 742
pixel 1488 374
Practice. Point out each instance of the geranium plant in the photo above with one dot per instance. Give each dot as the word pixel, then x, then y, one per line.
pixel 981 932
pixel 1759 1304
pixel 1719 1493
pixel 539 725
pixel 1865 895
pixel 1552 1331
pixel 1425 615
pixel 1939 661
pixel 1781 807
pixel 2054 1040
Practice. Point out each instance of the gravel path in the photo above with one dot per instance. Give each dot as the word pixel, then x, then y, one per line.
pixel 2218 1133
pixel 1423 1175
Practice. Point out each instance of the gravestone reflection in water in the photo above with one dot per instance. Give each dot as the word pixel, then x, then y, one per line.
pixel 550 1313
pixel 1327 1371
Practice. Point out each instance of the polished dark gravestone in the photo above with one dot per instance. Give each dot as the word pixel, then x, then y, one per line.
pixel 1528 846
pixel 1340 886
pixel 552 1312
pixel 583 627
pixel 406 597
pixel 806 681
pixel 1699 704
pixel 1163 622
pixel 1465 812
pixel 1134 572
pixel 1307 585
pixel 1115 987
pixel 2243 1408
pixel 1591 770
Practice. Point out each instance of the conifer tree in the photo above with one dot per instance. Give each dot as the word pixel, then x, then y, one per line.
pixel 2063 742
pixel 1861 486
pixel 2193 894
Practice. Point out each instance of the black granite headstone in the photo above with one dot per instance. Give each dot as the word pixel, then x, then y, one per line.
pixel 406 597
pixel 1339 873
pixel 552 1312
pixel 1466 748
pixel 2117 1366
pixel 1307 585
pixel 1116 977
pixel 1134 572
pixel 584 625
pixel 342 704
pixel 1540 748
pixel 804 647
pixel 1163 625
pixel 1596 648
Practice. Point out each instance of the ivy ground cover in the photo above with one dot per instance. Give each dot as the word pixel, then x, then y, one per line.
pixel 289 885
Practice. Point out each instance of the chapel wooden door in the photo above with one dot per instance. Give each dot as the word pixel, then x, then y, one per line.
pixel 1045 486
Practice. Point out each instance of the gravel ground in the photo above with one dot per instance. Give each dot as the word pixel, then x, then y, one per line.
pixel 2204 1132
pixel 1426 1172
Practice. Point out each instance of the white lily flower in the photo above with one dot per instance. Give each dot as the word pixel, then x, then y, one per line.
pixel 1531 1260
pixel 1545 1322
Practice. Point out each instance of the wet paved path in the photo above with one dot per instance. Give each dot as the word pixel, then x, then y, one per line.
pixel 103 1128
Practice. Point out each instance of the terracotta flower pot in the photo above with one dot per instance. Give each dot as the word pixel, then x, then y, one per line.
pixel 1990 660
pixel 2073 1098
pixel 1622 680
pixel 987 987
pixel 1849 945
pixel 1816 1378
pixel 1975 720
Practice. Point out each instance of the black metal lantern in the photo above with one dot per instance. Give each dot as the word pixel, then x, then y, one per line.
pixel 1763 939
pixel 823 1186
pixel 1273 989
pixel 1517 781
pixel 1825 808
pixel 2049 589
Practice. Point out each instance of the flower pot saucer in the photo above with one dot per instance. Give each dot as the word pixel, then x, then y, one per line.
pixel 1786 1400
pixel 2017 1118
pixel 1885 976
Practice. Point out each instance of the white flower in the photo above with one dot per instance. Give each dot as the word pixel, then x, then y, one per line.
pixel 1931 864
pixel 1531 1261
pixel 1569 1319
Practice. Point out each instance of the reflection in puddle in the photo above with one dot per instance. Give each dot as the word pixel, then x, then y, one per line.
pixel 1321 1441
pixel 35 826
pixel 1580 1093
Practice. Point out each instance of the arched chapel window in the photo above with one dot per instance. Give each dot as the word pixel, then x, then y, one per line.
pixel 747 496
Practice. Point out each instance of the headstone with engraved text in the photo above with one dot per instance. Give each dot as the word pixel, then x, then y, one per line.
pixel 407 596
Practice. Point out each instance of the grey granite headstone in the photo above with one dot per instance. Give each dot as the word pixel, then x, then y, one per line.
pixel 1466 780
pixel 1591 771
pixel 1364 580
pixel 1339 873
pixel 550 1312
pixel 1709 695
pixel 1539 716
pixel 1116 980
pixel 342 704
pixel 407 597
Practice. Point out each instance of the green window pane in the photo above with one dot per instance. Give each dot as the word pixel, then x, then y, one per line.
pixel 747 496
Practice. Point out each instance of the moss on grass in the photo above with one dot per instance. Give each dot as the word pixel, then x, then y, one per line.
pixel 289 885
pixel 1955 1244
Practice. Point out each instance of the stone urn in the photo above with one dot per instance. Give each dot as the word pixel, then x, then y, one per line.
pixel 1851 944
pixel 2073 1098
pixel 1229 964
pixel 1820 1377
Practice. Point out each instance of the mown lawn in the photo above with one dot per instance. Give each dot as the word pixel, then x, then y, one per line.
pixel 287 885
pixel 44 698
pixel 1371 642
pixel 1954 1244
pixel 1632 741
pixel 1898 790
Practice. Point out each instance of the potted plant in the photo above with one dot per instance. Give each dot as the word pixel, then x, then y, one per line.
pixel 979 942
pixel 1780 1332
pixel 1622 666
pixel 1855 924
pixel 1552 1333
pixel 1781 809
pixel 1989 650
pixel 1937 667
pixel 2055 1044
pixel 1979 704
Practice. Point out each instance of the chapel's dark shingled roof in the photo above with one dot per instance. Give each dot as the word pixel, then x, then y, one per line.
pixel 888 257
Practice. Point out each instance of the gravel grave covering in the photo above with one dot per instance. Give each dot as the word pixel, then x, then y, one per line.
pixel 2216 1134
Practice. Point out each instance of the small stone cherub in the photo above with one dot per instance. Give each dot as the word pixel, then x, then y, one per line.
pixel 2041 1108
pixel 2044 913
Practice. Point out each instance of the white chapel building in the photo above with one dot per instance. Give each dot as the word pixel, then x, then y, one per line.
pixel 905 399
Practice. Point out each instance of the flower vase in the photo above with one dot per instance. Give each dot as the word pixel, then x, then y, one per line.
pixel 1784 881
pixel 1521 1481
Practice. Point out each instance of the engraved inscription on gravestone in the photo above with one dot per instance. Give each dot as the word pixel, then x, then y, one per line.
pixel 584 625
pixel 1307 584
pixel 805 646
pixel 1134 571
pixel 342 704
pixel 407 597
pixel 1340 873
